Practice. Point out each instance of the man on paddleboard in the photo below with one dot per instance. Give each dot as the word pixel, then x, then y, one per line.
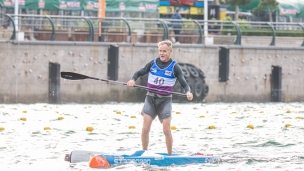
pixel 163 72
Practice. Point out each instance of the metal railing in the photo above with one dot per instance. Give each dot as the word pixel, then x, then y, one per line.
pixel 143 30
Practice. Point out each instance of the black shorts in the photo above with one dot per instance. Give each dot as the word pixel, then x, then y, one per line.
pixel 158 106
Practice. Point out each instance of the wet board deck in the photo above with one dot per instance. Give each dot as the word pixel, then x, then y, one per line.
pixel 101 159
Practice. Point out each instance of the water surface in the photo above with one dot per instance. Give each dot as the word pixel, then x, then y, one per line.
pixel 25 145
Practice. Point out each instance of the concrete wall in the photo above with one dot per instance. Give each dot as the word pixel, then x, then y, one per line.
pixel 250 73
pixel 24 71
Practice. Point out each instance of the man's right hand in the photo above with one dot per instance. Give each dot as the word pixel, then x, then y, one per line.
pixel 131 83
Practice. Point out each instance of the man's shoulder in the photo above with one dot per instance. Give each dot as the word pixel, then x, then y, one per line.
pixel 176 16
pixel 151 61
pixel 176 64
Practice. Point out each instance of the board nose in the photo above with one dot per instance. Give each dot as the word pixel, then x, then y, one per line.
pixel 99 162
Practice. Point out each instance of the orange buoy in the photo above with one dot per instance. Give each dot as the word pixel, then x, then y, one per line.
pixel 89 129
pixel 287 125
pixel 211 127
pixel 23 119
pixel 250 126
pixel 46 128
pixel 99 162
pixel 132 127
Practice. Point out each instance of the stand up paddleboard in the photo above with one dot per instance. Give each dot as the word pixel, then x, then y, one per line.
pixel 99 159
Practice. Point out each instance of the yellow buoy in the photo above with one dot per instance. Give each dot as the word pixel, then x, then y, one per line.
pixel 133 116
pixel 261 111
pixel 90 129
pixel 288 111
pixel 23 119
pixel 60 118
pixel 132 127
pixel 118 112
pixel 202 116
pixel 56 112
pixel 173 127
pixel 47 128
pixel 250 126
pixel 233 113
pixel 178 113
pixel 211 127
pixel 287 125
pixel 2 128
pixel 24 111
pixel 298 117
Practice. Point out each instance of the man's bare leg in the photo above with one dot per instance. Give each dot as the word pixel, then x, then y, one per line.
pixel 145 131
pixel 168 135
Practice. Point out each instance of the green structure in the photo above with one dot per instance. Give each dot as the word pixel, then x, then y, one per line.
pixel 290 8
pixel 293 8
pixel 87 5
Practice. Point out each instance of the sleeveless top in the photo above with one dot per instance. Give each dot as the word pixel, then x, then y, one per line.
pixel 161 79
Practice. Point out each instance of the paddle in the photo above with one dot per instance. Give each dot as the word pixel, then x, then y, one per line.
pixel 76 76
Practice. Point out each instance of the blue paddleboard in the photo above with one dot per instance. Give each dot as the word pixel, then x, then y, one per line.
pixel 150 158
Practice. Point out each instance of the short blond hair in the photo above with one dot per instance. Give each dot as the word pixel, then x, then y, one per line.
pixel 165 42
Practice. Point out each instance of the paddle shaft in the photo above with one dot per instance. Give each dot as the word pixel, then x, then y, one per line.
pixel 76 76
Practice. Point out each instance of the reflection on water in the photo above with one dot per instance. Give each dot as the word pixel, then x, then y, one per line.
pixel 275 142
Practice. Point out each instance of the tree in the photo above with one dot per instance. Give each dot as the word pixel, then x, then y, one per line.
pixel 270 5
pixel 236 3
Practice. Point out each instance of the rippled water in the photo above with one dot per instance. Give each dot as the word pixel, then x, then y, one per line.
pixel 25 145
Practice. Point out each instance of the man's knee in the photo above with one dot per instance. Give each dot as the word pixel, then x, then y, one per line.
pixel 167 131
pixel 166 126
pixel 145 129
pixel 147 123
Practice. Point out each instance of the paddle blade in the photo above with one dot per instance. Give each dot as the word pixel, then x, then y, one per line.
pixel 99 162
pixel 73 76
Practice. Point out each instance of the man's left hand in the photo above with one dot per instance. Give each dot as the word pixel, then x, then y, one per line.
pixel 189 95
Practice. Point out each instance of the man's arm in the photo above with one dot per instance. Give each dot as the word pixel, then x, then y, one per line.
pixel 140 73
pixel 180 16
pixel 181 79
pixel 143 71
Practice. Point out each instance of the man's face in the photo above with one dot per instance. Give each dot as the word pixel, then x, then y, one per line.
pixel 164 52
